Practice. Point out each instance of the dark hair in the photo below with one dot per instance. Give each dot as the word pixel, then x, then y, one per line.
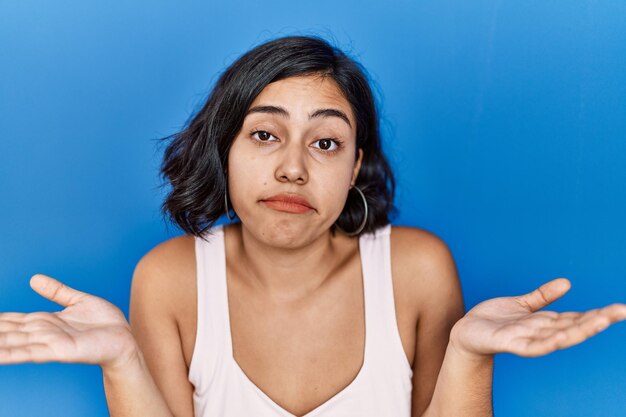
pixel 195 160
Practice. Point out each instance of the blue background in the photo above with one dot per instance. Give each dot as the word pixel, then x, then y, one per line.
pixel 505 123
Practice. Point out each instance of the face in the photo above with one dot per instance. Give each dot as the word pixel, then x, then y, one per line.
pixel 298 139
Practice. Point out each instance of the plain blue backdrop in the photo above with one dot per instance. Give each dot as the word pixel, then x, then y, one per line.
pixel 505 123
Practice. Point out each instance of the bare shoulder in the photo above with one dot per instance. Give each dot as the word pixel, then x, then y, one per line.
pixel 172 253
pixel 417 249
pixel 168 254
pixel 423 267
pixel 161 297
pixel 166 273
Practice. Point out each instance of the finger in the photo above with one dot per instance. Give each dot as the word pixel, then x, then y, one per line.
pixel 556 321
pixel 547 323
pixel 614 312
pixel 21 338
pixel 581 331
pixel 545 294
pixel 38 324
pixel 13 316
pixel 55 290
pixel 9 325
pixel 553 320
pixel 11 339
pixel 32 322
pixel 557 316
pixel 549 340
pixel 563 324
pixel 36 352
pixel 13 321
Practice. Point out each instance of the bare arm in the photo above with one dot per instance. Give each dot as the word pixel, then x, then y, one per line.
pixel 445 382
pixel 464 387
pixel 89 330
pixel 154 382
pixel 161 288
pixel 512 325
pixel 130 391
pixel 436 290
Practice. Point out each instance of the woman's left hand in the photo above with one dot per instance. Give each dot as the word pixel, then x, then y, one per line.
pixel 513 324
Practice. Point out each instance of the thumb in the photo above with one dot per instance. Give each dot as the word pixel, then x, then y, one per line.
pixel 545 294
pixel 55 291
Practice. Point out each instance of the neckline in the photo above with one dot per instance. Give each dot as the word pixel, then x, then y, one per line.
pixel 235 365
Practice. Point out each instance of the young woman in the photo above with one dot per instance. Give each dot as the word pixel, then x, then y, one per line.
pixel 311 304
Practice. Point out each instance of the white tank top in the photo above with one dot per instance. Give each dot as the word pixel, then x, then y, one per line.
pixel 221 389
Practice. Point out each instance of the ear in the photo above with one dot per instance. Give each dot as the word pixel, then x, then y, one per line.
pixel 357 166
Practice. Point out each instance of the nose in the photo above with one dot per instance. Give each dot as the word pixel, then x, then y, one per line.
pixel 292 165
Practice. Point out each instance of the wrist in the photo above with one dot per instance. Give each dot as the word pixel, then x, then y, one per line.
pixel 470 357
pixel 128 360
pixel 456 347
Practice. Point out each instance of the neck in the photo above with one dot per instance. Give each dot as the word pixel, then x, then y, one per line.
pixel 287 274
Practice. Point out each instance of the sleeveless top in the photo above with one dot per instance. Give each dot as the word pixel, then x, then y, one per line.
pixel 382 387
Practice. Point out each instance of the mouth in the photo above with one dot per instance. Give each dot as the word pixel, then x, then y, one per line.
pixel 288 203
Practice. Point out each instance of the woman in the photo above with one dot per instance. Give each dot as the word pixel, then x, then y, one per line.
pixel 312 304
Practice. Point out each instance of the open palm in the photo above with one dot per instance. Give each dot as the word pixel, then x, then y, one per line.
pixel 513 324
pixel 89 330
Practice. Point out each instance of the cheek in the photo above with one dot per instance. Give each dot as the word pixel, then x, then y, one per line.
pixel 332 188
pixel 246 172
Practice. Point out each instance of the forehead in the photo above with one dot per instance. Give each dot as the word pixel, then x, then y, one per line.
pixel 302 94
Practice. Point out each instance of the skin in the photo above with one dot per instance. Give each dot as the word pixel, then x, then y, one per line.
pixel 291 160
pixel 269 301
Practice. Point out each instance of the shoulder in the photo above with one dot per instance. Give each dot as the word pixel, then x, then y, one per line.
pixel 160 301
pixel 416 237
pixel 418 248
pixel 163 275
pixel 424 268
pixel 169 256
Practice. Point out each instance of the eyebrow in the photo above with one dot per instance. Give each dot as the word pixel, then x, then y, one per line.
pixel 280 111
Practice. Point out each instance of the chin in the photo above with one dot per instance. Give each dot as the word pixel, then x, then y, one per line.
pixel 284 233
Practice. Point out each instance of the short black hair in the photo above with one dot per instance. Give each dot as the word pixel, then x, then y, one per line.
pixel 195 159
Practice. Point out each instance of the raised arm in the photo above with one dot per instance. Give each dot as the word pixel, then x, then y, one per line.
pixel 89 330
pixel 512 325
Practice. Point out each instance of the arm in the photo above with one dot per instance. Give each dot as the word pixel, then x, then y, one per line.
pixel 89 330
pixel 162 286
pixel 513 325
pixel 131 391
pixel 439 377
pixel 463 388
pixel 154 382
pixel 445 382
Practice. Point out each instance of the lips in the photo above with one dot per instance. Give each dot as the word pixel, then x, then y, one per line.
pixel 291 203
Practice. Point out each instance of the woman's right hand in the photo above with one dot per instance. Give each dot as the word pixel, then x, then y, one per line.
pixel 89 330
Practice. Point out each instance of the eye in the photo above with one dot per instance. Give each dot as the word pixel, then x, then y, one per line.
pixel 329 145
pixel 261 135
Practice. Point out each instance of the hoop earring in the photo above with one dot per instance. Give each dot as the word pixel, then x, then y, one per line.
pixel 364 222
pixel 226 204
